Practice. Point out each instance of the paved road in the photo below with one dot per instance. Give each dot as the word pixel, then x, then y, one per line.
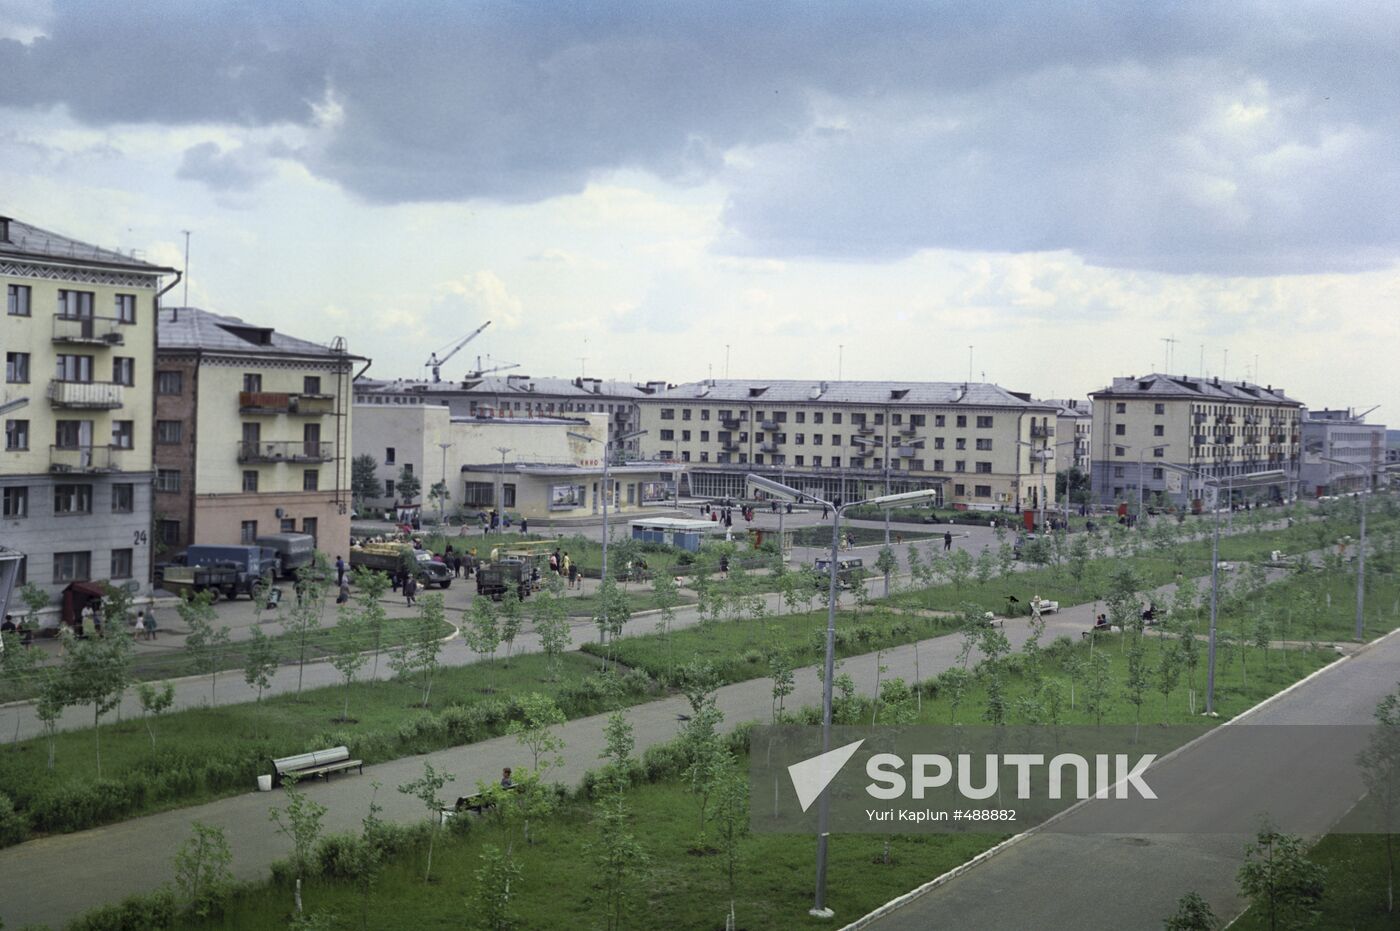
pixel 1113 881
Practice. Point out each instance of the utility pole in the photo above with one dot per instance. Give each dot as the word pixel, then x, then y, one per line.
pixel 186 275
pixel 442 498
pixel 501 483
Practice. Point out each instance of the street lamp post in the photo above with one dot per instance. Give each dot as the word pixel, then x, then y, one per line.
pixel 1141 482
pixel 863 442
pixel 620 438
pixel 1361 547
pixel 1044 455
pixel 501 484
pixel 788 493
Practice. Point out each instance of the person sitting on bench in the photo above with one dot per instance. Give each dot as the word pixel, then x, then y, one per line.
pixel 1101 622
pixel 506 781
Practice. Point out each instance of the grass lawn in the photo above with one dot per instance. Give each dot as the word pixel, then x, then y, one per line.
pixel 239 739
pixel 859 536
pixel 320 643
pixel 639 598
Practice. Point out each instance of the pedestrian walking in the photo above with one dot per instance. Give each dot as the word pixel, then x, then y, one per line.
pixel 947 540
pixel 151 624
pixel 339 570
pixel 524 526
pixel 573 573
pixel 344 584
pixel 410 590
pixel 138 626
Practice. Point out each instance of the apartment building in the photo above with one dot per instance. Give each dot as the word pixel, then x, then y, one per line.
pixel 522 396
pixel 1343 435
pixel 78 338
pixel 252 432
pixel 983 446
pixel 1074 430
pixel 1154 430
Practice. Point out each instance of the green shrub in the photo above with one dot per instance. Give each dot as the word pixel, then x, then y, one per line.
pixel 339 856
pixel 150 912
pixel 14 826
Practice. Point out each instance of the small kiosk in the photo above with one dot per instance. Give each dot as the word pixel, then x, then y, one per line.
pixel 674 531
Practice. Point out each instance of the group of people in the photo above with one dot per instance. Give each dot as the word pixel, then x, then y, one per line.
pixel 16 626
pixel 562 565
pixel 724 515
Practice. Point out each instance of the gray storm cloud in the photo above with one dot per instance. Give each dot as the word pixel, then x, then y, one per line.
pixel 1238 139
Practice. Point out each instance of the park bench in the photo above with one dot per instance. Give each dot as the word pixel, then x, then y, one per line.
pixel 477 803
pixel 317 763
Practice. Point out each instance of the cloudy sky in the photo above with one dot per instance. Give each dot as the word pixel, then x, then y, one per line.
pixel 646 190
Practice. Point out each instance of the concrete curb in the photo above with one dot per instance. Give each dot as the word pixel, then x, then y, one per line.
pixel 899 902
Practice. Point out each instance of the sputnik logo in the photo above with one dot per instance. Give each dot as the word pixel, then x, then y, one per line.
pixel 811 776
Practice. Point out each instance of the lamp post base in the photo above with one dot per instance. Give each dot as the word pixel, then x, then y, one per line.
pixel 821 913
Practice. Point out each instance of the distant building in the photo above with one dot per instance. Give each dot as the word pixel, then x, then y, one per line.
pixel 537 467
pixel 522 396
pixel 79 339
pixel 1074 429
pixel 1149 429
pixel 981 445
pixel 1342 435
pixel 252 432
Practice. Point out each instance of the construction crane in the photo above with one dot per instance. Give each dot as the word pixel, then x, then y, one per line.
pixel 436 362
pixel 479 371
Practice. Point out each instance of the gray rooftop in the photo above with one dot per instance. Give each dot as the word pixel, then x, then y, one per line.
pixel 513 385
pixel 191 328
pixel 1071 407
pixel 25 241
pixel 1204 389
pixel 873 393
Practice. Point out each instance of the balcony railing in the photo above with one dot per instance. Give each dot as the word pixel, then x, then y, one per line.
pixel 769 447
pixel 729 446
pixel 907 452
pixel 1038 431
pixel 730 423
pixel 865 428
pixel 284 451
pixel 83 459
pixel 88 331
pixel 769 425
pixel 268 402
pixel 94 395
pixel 908 430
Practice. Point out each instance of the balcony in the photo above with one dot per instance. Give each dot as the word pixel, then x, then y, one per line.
pixel 70 459
pixel 865 429
pixel 769 447
pixel 907 452
pixel 908 430
pixel 729 446
pixel 729 423
pixel 302 405
pixel 284 451
pixel 769 425
pixel 1039 432
pixel 88 395
pixel 87 331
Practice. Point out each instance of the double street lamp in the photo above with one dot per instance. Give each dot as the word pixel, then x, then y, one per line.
pixel 788 493
pixel 607 492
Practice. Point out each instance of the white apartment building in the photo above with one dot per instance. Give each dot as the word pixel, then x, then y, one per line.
pixel 981 445
pixel 1153 431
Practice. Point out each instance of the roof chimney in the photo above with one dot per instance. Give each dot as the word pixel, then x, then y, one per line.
pixel 4 229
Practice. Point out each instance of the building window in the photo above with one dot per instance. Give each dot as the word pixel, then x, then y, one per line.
pixel 705 413
pixel 75 304
pixel 252 381
pixel 685 436
pixel 311 384
pixel 169 432
pixel 408 467
pixel 960 465
pixel 984 422
pixel 668 434
pixel 72 499
pixel 1120 451
pixel 685 414
pixel 818 416
pixel 169 532
pixel 288 525
pixel 1157 474
pixel 1159 430
pixel 984 467
pixel 1120 408
pixel 250 480
pixel 123 498
pixel 961 421
pixel 985 444
pixel 938 442
pixel 123 434
pixel 835 439
pixel 16 434
pixel 167 479
pixel 685 457
pixel 72 567
pixel 1120 429
pixel 121 564
pixel 248 532
pixel 1117 471
pixel 17 300
pixel 939 420
pixel 69 434
pixel 388 488
pixel 982 491
pixel 960 443
pixel 836 462
pixel 389 456
pixel 704 457
pixel 1159 451
pixel 704 436
pixel 836 417
pixel 17 367
pixel 817 462
pixel 125 307
pixel 169 382
pixel 1159 408
pixel 74 369
pixel 311 480
pixel 16 502
pixel 668 413
pixel 938 465
pixel 959 490
pixel 124 370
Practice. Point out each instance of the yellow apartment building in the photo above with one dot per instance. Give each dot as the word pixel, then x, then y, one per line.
pixel 78 337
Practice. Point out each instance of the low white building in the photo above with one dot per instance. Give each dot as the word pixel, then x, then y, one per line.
pixel 1341 435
